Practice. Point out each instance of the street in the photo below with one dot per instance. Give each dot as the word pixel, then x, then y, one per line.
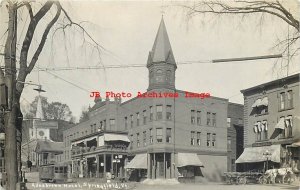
pixel 210 186
pixel 34 184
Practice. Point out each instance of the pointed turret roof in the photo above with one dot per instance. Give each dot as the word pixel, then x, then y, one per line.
pixel 39 110
pixel 161 50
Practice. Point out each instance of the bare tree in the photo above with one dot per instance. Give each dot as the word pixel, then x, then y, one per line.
pixel 15 78
pixel 274 8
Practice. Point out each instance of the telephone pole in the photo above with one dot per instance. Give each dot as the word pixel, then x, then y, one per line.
pixel 11 165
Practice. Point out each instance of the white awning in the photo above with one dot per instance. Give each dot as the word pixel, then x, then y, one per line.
pixel 280 124
pixel 256 103
pixel 265 125
pixel 256 154
pixel 138 162
pixel 116 137
pixel 188 159
pixel 264 101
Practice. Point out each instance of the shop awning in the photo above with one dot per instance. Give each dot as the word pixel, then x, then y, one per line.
pixel 188 159
pixel 256 154
pixel 138 162
pixel 116 137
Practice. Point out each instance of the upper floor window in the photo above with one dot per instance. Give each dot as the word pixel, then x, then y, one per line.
pixel 138 140
pixel 159 110
pixel 169 112
pixel 198 117
pixel 264 130
pixel 192 116
pixel 228 121
pixel 198 138
pixel 151 136
pixel 288 130
pixel 282 100
pixel 289 98
pixel 192 137
pixel 144 138
pixel 208 139
pixel 260 106
pixel 131 121
pixel 214 119
pixel 101 125
pixel 208 118
pixel 137 119
pixel 213 140
pixel 144 117
pixel 168 135
pixel 104 124
pixel 159 135
pixel 257 130
pixel 151 113
pixel 159 71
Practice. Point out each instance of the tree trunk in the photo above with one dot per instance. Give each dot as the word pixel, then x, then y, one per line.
pixel 11 117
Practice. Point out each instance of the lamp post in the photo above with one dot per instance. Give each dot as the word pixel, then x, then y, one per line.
pixel 116 160
pixel 267 154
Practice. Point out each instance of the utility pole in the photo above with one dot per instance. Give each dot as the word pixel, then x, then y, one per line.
pixel 11 114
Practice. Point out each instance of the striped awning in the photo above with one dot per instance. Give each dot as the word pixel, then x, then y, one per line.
pixel 188 159
pixel 256 154
pixel 138 162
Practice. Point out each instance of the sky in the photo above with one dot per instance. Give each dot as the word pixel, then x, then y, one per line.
pixel 126 30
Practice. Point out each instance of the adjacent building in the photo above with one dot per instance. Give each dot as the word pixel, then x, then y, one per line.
pixel 42 141
pixel 235 135
pixel 271 120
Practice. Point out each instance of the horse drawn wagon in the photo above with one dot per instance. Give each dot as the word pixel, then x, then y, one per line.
pixel 242 177
pixel 281 175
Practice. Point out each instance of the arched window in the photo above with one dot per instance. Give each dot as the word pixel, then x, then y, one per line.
pixel 159 71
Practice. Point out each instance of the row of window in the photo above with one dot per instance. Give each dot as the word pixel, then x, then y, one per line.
pixel 159 116
pixel 196 139
pixel 285 124
pixel 159 137
pixel 210 118
pixel 102 126
pixel 285 100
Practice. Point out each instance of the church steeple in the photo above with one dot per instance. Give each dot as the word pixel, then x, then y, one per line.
pixel 161 62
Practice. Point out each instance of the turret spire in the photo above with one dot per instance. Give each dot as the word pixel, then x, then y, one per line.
pixel 161 63
pixel 162 50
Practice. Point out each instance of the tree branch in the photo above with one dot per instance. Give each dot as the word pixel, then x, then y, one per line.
pixel 44 37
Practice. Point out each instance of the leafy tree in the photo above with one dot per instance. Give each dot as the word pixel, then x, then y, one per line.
pixel 53 110
pixel 84 114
